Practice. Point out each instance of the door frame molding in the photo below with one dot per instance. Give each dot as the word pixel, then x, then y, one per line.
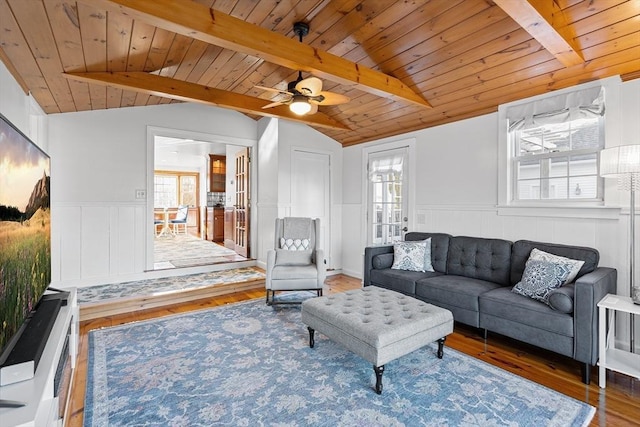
pixel 152 132
pixel 410 143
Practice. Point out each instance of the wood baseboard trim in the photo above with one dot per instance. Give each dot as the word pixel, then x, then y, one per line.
pixel 127 305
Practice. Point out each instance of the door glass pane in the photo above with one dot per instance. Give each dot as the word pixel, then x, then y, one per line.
pixel 386 204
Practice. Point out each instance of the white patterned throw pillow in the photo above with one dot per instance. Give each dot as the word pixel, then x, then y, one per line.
pixel 410 256
pixel 573 264
pixel 294 244
pixel 540 278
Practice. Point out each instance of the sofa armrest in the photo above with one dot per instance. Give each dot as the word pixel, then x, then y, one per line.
pixel 369 253
pixel 589 290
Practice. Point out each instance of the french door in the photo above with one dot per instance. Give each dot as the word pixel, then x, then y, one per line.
pixel 243 203
pixel 387 216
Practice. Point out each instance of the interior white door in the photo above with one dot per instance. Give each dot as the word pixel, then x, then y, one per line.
pixel 311 192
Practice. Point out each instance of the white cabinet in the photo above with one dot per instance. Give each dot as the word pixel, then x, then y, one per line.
pixel 43 400
pixel 611 357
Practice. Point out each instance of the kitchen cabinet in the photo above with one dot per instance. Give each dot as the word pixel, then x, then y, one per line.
pixel 217 173
pixel 215 224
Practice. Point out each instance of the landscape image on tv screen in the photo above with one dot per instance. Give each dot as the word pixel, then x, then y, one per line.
pixel 25 224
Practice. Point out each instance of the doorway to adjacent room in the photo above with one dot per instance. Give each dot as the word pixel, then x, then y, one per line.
pixel 200 178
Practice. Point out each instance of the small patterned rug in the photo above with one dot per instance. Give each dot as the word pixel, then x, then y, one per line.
pixel 149 287
pixel 185 250
pixel 250 364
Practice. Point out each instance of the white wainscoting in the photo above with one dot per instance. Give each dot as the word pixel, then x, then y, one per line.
pixel 490 222
pixel 95 243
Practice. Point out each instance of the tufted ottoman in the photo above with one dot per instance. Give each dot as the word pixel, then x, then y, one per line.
pixel 377 324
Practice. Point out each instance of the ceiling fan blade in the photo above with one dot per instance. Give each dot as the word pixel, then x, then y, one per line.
pixel 311 86
pixel 273 104
pixel 314 109
pixel 270 89
pixel 332 98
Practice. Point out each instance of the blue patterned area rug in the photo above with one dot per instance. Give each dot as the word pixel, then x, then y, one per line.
pixel 249 364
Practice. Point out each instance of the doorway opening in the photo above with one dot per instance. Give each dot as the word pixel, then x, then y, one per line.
pixel 194 202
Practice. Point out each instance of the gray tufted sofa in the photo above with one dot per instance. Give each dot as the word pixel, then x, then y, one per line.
pixel 473 278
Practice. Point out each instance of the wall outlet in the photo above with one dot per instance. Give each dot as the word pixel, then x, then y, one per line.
pixel 141 194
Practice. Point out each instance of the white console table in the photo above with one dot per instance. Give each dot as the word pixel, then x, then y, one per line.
pixel 42 406
pixel 611 357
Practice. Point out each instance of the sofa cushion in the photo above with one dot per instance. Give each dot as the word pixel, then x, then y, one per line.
pixel 561 299
pixel 399 280
pixel 540 278
pixel 439 247
pixel 504 304
pixel 458 291
pixel 293 257
pixel 522 249
pixel 382 261
pixel 478 258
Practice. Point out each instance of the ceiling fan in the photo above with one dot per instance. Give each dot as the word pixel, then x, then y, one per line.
pixel 304 95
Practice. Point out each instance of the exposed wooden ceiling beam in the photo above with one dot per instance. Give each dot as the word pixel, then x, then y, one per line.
pixel 152 84
pixel 545 22
pixel 197 21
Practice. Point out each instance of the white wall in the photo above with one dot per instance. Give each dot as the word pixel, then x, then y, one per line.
pixel 100 158
pixel 292 136
pixel 103 233
pixel 276 143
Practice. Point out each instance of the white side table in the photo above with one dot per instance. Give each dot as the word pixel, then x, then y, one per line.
pixel 610 357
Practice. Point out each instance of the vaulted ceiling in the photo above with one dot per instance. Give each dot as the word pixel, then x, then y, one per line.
pixel 405 65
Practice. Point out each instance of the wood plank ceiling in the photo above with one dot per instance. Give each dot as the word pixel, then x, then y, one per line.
pixel 406 65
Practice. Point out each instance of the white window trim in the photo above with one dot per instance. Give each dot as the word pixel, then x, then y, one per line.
pixel 608 209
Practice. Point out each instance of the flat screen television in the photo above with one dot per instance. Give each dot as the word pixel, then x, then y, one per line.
pixel 25 231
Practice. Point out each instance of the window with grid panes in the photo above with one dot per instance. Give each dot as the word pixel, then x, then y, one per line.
pixel 555 145
pixel 173 189
pixel 558 161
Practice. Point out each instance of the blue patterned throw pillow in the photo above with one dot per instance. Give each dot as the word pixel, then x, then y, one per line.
pixel 541 277
pixel 573 264
pixel 410 256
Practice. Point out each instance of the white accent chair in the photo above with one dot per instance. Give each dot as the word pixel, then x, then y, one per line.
pixel 296 263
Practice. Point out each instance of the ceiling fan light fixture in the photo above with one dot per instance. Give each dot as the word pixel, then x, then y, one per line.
pixel 300 105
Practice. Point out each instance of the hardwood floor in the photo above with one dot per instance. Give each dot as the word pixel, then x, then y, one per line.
pixel 617 405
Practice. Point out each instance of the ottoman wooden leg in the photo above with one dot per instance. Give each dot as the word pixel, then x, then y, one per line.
pixel 378 370
pixel 441 347
pixel 312 342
